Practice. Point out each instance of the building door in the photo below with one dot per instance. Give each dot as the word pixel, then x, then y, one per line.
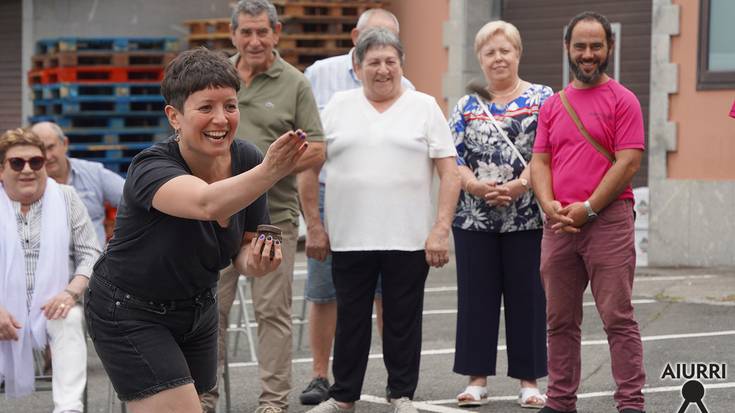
pixel 542 24
pixel 11 76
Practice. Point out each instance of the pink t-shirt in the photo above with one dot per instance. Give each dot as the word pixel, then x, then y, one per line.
pixel 732 111
pixel 612 115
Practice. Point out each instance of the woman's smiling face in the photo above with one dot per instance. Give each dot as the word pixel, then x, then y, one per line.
pixel 209 120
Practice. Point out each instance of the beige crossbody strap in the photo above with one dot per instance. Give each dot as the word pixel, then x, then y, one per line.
pixel 572 114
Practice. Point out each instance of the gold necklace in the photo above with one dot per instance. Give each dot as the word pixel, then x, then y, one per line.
pixel 495 95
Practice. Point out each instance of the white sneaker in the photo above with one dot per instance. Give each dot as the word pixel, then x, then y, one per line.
pixel 330 406
pixel 403 405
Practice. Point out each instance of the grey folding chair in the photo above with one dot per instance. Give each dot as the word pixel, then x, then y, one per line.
pixel 243 326
pixel 243 319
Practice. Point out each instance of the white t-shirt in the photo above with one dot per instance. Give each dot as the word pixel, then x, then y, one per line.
pixel 380 170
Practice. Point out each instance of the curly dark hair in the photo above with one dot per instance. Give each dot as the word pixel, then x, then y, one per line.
pixel 590 16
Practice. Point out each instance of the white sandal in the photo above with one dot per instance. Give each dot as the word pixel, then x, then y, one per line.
pixel 477 396
pixel 528 394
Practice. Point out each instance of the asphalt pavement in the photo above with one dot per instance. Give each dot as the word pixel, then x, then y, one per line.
pixel 686 316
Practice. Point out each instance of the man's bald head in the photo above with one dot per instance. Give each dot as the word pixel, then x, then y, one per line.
pixel 371 18
pixel 48 129
pixel 56 143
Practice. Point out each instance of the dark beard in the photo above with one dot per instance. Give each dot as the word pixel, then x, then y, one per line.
pixel 585 78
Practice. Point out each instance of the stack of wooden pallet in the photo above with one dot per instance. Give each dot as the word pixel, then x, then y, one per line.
pixel 104 93
pixel 312 29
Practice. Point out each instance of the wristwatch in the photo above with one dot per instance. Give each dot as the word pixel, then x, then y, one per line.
pixel 591 214
pixel 524 183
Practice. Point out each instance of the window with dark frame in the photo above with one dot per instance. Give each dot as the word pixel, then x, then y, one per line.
pixel 716 57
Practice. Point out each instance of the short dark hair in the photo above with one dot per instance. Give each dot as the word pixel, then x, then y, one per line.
pixel 19 137
pixel 195 70
pixel 254 8
pixel 587 16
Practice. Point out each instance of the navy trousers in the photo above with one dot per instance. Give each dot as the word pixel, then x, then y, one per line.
pixel 492 267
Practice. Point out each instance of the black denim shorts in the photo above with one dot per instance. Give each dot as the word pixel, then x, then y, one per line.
pixel 147 347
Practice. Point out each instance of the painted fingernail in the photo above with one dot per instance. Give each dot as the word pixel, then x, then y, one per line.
pixel 302 135
pixel 270 238
pixel 278 242
pixel 261 237
pixel 306 144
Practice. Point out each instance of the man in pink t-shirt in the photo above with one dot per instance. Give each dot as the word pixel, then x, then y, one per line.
pixel 589 236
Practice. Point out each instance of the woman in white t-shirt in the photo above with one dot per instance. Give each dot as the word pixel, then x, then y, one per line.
pixel 383 144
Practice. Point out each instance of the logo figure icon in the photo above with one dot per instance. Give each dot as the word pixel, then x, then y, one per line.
pixel 693 392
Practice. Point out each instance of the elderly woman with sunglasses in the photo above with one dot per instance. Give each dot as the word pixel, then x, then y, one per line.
pixel 40 287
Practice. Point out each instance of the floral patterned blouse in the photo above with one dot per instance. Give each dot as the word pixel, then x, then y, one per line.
pixel 482 149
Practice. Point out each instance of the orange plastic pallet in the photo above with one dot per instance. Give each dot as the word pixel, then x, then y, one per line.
pixel 96 74
pixel 202 26
pixel 69 59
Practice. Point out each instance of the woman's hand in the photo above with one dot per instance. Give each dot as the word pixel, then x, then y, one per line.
pixel 515 189
pixel 479 188
pixel 437 247
pixel 489 191
pixel 258 261
pixel 58 306
pixel 283 154
pixel 9 326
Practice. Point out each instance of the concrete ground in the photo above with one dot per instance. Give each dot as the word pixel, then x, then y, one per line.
pixel 686 315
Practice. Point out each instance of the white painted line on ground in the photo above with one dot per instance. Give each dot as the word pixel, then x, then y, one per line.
pixel 451 311
pixel 440 289
pixel 503 347
pixel 646 390
pixel 417 404
pixel 502 308
pixel 435 312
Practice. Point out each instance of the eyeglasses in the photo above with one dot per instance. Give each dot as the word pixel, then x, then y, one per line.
pixel 35 162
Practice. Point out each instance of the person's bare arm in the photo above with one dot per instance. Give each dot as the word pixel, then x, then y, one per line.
pixel 437 243
pixel 615 180
pixel 317 241
pixel 313 158
pixel 188 196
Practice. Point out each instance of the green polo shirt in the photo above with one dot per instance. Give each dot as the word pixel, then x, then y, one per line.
pixel 278 100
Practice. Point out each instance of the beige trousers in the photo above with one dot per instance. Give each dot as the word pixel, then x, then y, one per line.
pixel 272 296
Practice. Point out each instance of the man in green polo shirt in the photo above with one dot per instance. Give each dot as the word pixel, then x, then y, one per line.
pixel 274 98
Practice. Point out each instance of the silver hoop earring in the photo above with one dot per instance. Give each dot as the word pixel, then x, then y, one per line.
pixel 177 136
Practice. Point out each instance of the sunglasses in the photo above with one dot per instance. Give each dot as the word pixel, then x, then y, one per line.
pixel 35 162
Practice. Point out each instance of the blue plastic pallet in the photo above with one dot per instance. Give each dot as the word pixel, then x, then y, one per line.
pixel 94 147
pixel 151 123
pixel 107 106
pixel 110 138
pixel 117 165
pixel 95 90
pixel 122 44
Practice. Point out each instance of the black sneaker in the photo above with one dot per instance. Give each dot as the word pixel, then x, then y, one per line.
pixel 316 392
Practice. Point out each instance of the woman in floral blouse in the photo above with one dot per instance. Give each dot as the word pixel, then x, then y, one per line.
pixel 498 226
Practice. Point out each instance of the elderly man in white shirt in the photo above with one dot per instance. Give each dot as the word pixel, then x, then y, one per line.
pixel 94 184
pixel 327 77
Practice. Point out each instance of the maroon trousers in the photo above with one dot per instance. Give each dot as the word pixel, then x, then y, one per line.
pixel 603 254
